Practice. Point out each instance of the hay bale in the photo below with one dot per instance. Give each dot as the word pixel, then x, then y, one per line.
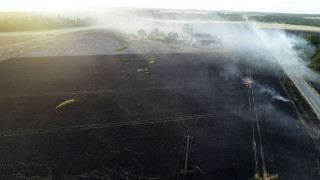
pixel 146 71
pixel 67 102
pixel 121 48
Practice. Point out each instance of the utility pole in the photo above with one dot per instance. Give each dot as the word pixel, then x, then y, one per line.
pixel 187 152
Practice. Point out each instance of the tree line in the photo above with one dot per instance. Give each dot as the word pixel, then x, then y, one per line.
pixel 315 57
pixel 28 22
pixel 156 34
pixel 287 20
pixel 294 19
pixel 190 16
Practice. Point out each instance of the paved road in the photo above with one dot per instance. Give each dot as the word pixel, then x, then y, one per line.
pixel 310 94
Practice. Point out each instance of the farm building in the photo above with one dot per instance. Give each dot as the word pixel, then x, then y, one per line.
pixel 199 39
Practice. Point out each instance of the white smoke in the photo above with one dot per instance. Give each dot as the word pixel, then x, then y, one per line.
pixel 281 98
pixel 273 93
pixel 248 36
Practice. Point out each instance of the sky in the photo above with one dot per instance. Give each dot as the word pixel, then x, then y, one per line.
pixel 282 6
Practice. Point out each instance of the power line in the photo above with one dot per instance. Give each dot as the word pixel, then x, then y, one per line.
pixel 111 125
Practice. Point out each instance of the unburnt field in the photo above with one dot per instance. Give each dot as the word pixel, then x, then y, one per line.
pixel 5 40
pixel 129 124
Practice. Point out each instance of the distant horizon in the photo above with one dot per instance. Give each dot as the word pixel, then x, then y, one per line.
pixel 75 10
pixel 250 6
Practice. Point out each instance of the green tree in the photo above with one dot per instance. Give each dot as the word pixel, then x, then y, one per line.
pixel 315 57
pixel 172 37
pixel 315 63
pixel 187 29
pixel 142 33
pixel 162 34
pixel 154 33
pixel 313 39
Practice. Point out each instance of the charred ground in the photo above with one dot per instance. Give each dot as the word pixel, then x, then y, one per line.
pixel 126 123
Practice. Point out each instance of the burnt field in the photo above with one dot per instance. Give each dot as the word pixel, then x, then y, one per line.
pixel 129 124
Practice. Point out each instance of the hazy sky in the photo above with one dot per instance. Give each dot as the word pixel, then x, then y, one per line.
pixel 286 6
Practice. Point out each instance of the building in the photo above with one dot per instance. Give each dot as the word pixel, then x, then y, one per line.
pixel 200 39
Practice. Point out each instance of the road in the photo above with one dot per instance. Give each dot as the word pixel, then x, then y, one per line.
pixel 311 95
